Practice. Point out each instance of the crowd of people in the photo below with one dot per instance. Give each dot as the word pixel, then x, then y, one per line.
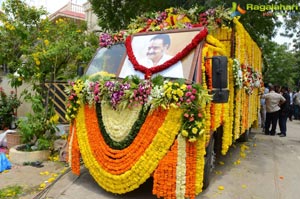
pixel 278 104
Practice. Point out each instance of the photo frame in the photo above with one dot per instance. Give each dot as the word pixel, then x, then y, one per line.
pixel 179 39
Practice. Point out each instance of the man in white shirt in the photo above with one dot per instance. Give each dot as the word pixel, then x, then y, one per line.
pixel 156 55
pixel 273 102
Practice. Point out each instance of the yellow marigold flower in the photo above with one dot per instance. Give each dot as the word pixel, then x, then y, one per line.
pixel 37 62
pixel 242 154
pixel 46 42
pixel 202 131
pixel 170 83
pixel 237 162
pixel 44 173
pixel 169 96
pixel 68 118
pixel 12 27
pixel 173 105
pixel 184 133
pixel 194 130
pixel 54 118
pixel 51 180
pixel 180 93
pixel 221 163
pixel 192 139
pixel 163 106
pixel 183 87
pixel 199 124
pixel 176 84
pixel 175 98
pixel 42 186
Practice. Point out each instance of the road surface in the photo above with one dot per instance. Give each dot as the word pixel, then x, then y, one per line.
pixel 266 167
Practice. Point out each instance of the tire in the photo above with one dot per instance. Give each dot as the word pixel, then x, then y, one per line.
pixel 245 136
pixel 209 162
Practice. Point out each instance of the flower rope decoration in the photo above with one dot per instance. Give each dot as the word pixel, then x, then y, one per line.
pixel 132 92
pixel 142 168
pixel 237 74
pixel 180 55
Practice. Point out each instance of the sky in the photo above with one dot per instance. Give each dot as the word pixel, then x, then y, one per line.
pixel 53 5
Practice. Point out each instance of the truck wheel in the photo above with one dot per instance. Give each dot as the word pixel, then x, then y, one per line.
pixel 245 136
pixel 209 162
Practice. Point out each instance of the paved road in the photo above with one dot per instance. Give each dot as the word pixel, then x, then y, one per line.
pixel 267 169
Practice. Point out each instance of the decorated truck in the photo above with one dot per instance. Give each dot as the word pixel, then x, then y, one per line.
pixel 162 99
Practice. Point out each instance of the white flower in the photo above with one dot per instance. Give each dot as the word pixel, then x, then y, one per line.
pixel 16 74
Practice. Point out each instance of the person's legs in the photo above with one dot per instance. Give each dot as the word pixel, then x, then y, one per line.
pixel 280 122
pixel 268 123
pixel 291 112
pixel 283 130
pixel 275 116
pixel 263 115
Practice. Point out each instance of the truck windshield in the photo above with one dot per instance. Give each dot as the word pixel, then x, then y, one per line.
pixel 107 59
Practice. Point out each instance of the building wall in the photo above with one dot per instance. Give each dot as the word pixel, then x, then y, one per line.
pixel 91 18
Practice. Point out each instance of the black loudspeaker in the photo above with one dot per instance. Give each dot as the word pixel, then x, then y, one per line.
pixel 219 72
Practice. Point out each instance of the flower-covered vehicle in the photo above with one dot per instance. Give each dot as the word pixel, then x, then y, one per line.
pixel 131 122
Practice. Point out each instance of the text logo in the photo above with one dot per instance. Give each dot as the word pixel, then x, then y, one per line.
pixel 237 10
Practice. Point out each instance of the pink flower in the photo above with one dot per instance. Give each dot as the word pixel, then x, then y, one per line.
pixel 186 115
pixel 187 94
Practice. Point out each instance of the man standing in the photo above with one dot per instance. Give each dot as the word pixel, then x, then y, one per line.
pixel 263 108
pixel 291 109
pixel 284 112
pixel 273 102
pixel 296 99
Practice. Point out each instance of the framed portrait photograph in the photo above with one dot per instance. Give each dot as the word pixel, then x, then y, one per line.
pixel 153 49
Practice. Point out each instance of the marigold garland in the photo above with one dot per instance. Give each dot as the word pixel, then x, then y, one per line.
pixel 142 169
pixel 75 151
pixel 134 130
pixel 119 161
pixel 191 163
pixel 166 172
pixel 200 164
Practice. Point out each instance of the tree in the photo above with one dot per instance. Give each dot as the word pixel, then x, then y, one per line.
pixel 116 15
pixel 35 49
pixel 280 65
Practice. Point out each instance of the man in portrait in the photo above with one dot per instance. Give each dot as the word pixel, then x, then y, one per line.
pixel 156 54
